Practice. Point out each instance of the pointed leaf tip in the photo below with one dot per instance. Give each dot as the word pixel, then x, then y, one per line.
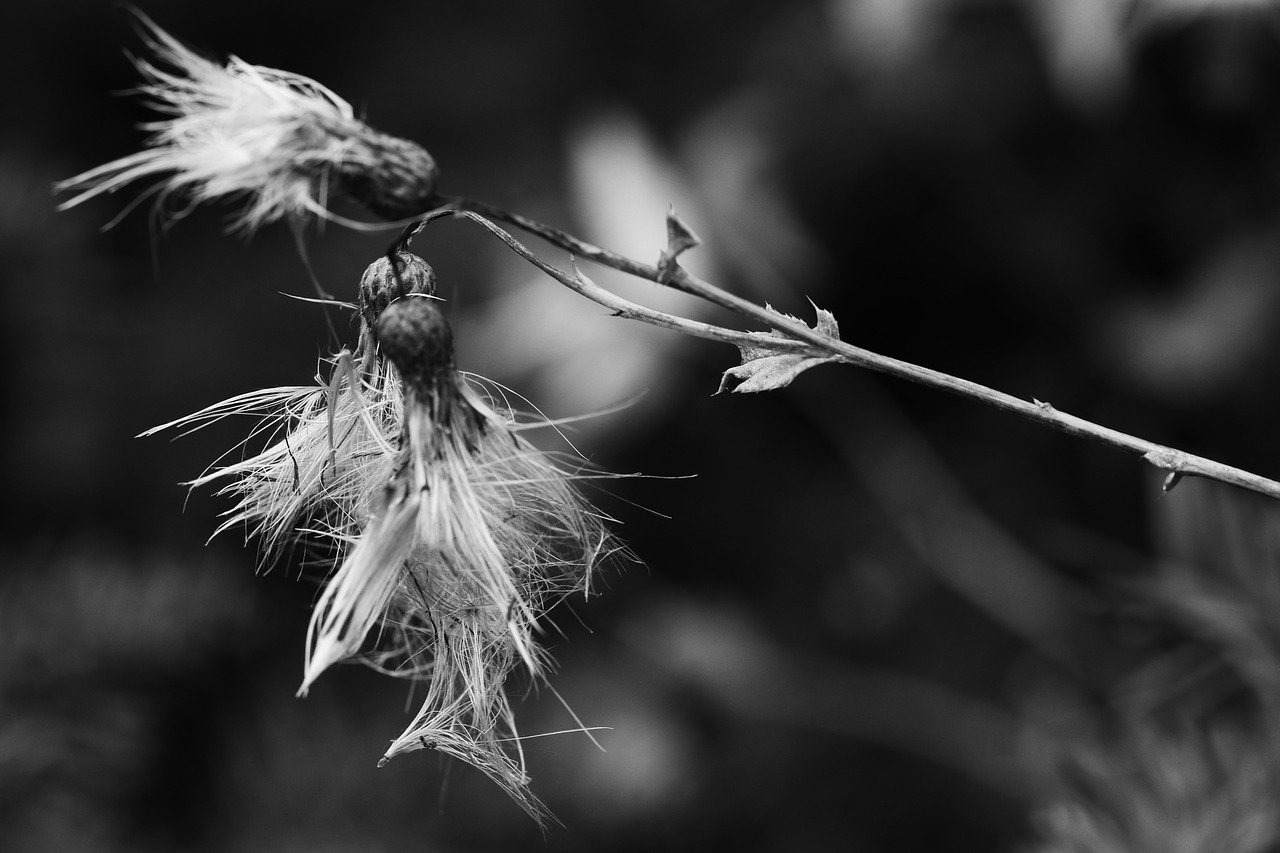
pixel 680 239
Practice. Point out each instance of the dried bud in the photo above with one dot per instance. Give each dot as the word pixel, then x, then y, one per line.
pixel 416 337
pixel 381 284
pixel 395 178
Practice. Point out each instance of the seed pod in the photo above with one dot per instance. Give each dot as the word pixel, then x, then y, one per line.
pixel 415 335
pixel 394 178
pixel 381 284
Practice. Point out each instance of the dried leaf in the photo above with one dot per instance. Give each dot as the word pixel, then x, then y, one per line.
pixel 764 368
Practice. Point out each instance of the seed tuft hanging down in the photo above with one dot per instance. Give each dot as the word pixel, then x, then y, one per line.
pixel 451 535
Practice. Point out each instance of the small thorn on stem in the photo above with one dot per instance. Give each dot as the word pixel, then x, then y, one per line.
pixel 680 239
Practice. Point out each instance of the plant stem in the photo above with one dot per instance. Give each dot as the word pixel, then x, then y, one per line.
pixel 1176 462
pixel 629 310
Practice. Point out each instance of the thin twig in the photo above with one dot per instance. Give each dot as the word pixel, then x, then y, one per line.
pixel 1176 462
pixel 629 310
pixel 554 236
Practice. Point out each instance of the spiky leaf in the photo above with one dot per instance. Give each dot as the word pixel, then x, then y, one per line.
pixel 763 368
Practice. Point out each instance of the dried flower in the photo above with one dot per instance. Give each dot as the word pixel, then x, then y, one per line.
pixel 453 534
pixel 276 139
pixel 474 536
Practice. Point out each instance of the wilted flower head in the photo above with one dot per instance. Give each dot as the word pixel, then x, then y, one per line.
pixel 474 535
pixel 277 140
pixel 454 535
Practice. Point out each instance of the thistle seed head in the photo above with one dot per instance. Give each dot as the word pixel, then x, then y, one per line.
pixel 275 139
pixel 453 536
pixel 394 178
pixel 473 537
pixel 383 283
pixel 417 338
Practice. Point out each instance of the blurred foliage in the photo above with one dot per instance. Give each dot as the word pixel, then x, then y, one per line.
pixel 877 619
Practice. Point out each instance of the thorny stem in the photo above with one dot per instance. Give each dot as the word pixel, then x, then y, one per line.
pixel 805 340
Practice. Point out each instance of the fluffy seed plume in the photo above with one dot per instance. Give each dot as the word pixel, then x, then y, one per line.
pixel 335 441
pixel 278 141
pixel 474 536
pixel 453 536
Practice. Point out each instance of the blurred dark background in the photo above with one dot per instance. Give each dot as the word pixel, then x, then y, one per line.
pixel 874 615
